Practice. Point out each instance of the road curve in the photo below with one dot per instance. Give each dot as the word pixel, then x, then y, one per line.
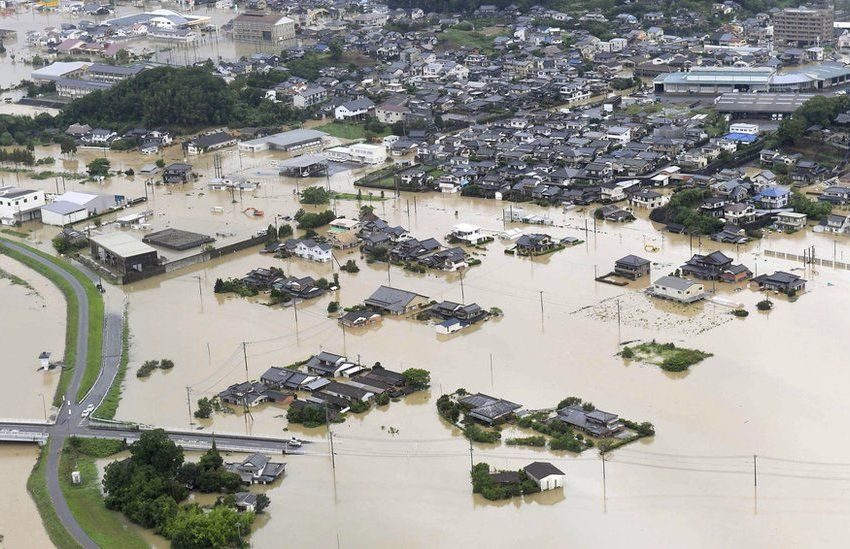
pixel 68 413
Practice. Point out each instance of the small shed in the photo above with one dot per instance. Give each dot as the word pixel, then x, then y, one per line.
pixel 545 475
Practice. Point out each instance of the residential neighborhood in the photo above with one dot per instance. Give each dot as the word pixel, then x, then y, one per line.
pixel 264 258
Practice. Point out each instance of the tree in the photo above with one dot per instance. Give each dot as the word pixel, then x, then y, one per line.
pixel 218 288
pixel 188 473
pixel 68 146
pixel 417 378
pixel 285 230
pixel 333 306
pixel 156 449
pixel 315 195
pixel 98 167
pixel 336 49
pixel 205 408
pixel 263 502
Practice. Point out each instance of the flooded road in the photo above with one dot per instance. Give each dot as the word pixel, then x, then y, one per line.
pixel 775 386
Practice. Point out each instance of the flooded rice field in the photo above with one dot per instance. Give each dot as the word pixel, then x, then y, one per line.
pixel 775 385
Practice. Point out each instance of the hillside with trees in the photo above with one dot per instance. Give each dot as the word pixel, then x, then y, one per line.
pixel 181 99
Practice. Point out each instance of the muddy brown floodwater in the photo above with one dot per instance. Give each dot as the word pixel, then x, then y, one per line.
pixel 775 387
pixel 20 524
pixel 33 321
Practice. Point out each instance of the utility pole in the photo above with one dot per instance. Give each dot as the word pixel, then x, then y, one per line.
pixel 245 356
pixel 330 438
pixel 491 370
pixel 755 471
pixel 200 289
pixel 541 306
pixel 389 279
pixel 295 308
pixel 462 296
pixel 189 404
pixel 471 463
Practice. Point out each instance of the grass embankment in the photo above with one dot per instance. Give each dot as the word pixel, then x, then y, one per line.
pixel 37 487
pixel 666 355
pixel 357 197
pixel 109 407
pixel 95 329
pixel 13 232
pixel 85 500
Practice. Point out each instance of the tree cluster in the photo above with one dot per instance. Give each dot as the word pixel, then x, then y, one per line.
pixel 149 485
pixel 309 220
pixel 484 484
pixel 17 156
pixel 683 209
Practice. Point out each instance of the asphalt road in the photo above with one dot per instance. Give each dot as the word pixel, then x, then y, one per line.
pixel 70 411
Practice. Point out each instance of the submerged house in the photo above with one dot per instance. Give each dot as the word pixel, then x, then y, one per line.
pixel 677 289
pixel 632 266
pixel 782 282
pixel 257 469
pixel 594 422
pixel 487 409
pixel 328 364
pixel 707 267
pixel 395 301
pixel 534 244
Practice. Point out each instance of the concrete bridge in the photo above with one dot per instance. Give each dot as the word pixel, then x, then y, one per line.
pixel 21 430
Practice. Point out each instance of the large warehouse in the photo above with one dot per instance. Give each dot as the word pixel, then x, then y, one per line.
pixel 717 80
pixel 775 106
pixel 121 253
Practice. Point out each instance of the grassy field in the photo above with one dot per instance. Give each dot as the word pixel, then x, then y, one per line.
pixel 37 487
pixel 343 130
pixel 350 130
pixel 471 39
pixel 109 406
pixel 95 301
pixel 105 527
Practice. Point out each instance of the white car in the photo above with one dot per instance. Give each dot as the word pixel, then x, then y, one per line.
pixel 294 442
pixel 89 409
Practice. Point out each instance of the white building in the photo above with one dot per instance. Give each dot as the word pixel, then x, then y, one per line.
pixel 678 289
pixel 359 152
pixel 619 134
pixel 357 109
pixel 471 234
pixel 75 206
pixel 741 127
pixel 314 251
pixel 545 475
pixel 18 205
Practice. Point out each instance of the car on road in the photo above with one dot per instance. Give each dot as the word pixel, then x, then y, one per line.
pixel 294 442
pixel 89 409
